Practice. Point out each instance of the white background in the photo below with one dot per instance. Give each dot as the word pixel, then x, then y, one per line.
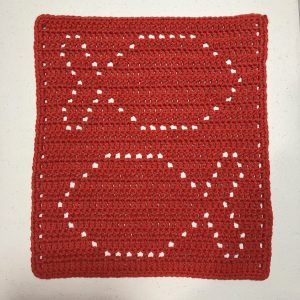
pixel 17 120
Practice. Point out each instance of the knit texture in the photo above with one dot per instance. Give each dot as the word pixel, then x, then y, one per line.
pixel 151 149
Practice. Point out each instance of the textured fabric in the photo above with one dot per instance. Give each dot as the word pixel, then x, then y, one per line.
pixel 151 150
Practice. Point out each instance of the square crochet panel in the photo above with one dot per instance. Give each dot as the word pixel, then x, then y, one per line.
pixel 151 150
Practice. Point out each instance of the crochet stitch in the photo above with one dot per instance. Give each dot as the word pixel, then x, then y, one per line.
pixel 151 148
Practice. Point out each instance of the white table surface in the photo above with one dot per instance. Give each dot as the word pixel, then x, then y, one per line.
pixel 17 120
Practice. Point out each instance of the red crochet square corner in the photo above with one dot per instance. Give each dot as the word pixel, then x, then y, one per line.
pixel 151 149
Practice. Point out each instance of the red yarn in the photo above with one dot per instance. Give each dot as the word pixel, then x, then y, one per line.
pixel 151 149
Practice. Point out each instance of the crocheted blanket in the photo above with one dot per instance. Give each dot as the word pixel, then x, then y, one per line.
pixel 151 149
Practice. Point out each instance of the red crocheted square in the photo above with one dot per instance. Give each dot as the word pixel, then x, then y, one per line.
pixel 151 150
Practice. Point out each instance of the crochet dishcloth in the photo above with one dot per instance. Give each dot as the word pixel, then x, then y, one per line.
pixel 151 149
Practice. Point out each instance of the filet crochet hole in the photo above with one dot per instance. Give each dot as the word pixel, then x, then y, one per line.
pixel 151 152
